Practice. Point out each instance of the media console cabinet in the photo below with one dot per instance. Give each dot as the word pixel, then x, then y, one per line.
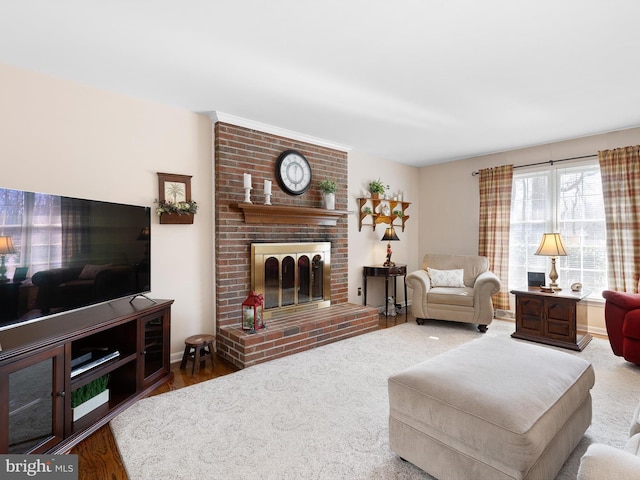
pixel 43 362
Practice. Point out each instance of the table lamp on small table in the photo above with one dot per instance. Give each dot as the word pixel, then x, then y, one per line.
pixel 552 246
pixel 389 235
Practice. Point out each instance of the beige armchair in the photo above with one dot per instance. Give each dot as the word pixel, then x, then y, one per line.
pixel 603 462
pixel 454 287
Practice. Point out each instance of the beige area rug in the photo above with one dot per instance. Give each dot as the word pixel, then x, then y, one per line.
pixel 323 414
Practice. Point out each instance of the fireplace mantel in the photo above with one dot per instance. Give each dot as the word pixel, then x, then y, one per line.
pixel 290 215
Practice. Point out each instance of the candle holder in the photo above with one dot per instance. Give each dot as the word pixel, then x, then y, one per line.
pixel 267 199
pixel 247 195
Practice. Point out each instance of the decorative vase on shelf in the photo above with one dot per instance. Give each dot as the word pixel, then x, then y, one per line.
pixel 329 201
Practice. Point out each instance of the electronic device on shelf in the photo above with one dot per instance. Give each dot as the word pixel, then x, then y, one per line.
pixel 91 359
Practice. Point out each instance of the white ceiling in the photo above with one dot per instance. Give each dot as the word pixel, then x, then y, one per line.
pixel 415 81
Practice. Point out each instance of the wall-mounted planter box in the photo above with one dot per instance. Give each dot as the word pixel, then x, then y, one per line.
pixel 185 219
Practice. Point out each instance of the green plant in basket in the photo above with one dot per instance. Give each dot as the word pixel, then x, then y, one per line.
pixel 88 391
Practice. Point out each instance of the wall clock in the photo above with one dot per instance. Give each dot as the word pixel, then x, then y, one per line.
pixel 293 172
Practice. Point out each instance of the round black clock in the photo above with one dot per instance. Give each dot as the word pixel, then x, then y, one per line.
pixel 293 172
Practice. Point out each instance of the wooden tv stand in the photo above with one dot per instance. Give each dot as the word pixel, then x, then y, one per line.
pixel 37 378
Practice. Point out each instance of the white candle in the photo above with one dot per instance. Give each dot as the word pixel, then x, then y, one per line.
pixel 247 180
pixel 267 187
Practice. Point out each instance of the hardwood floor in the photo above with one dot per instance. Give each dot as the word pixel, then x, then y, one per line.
pixel 98 456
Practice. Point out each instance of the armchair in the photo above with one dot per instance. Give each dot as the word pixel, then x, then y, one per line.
pixel 604 462
pixel 468 300
pixel 622 319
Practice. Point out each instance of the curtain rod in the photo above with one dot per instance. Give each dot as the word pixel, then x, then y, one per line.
pixel 550 162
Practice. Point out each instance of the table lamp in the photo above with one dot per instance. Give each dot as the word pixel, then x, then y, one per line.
pixel 552 246
pixel 6 248
pixel 389 235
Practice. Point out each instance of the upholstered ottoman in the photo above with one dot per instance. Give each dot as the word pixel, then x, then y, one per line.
pixel 495 408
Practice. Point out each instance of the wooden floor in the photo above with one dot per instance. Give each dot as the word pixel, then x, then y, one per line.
pixel 98 456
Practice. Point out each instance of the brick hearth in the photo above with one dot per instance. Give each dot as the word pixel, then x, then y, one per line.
pixel 241 150
pixel 295 333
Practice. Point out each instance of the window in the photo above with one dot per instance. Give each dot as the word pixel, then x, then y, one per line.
pixel 560 199
pixel 34 224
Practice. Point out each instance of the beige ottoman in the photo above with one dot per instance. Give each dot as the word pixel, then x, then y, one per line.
pixel 492 409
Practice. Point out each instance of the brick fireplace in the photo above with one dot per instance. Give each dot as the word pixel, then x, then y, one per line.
pixel 239 150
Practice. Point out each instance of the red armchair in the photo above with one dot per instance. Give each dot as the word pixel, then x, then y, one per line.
pixel 622 318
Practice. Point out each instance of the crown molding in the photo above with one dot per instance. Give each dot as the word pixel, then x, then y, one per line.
pixel 273 130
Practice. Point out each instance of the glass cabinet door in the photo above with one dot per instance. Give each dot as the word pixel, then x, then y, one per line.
pixel 33 390
pixel 154 346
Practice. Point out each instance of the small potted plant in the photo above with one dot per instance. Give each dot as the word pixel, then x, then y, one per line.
pixel 328 189
pixel 89 397
pixel 377 188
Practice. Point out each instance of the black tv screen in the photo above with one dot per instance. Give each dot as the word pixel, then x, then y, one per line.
pixel 62 253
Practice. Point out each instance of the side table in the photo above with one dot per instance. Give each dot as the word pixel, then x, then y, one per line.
pixel 555 318
pixel 393 271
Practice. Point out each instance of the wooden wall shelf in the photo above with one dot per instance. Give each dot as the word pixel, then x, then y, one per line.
pixel 376 205
pixel 289 215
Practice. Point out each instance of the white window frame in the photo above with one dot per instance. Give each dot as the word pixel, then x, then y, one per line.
pixel 25 243
pixel 576 246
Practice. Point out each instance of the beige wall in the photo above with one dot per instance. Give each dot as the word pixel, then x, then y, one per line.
pixel 449 203
pixel 365 247
pixel 61 137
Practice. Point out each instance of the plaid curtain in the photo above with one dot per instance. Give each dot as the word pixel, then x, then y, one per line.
pixel 75 231
pixel 495 222
pixel 620 171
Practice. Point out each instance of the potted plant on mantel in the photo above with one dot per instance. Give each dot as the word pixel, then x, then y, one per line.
pixel 328 189
pixel 377 188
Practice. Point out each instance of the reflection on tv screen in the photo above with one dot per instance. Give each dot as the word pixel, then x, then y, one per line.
pixel 60 253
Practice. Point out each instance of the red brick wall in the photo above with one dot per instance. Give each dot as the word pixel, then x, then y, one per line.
pixel 240 150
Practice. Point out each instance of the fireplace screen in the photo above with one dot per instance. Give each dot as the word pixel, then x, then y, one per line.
pixel 291 275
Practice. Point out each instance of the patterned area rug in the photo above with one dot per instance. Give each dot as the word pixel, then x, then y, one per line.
pixel 323 414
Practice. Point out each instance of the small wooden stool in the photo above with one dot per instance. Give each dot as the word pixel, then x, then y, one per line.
pixel 198 348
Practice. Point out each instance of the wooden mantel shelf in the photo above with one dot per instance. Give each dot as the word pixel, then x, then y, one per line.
pixel 289 215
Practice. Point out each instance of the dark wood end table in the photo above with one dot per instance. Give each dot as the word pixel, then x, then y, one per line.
pixel 393 271
pixel 554 318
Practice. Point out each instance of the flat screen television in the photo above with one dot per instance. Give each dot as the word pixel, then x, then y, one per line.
pixel 76 252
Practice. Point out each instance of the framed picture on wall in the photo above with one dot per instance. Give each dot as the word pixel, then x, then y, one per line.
pixel 174 188
pixel 175 204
